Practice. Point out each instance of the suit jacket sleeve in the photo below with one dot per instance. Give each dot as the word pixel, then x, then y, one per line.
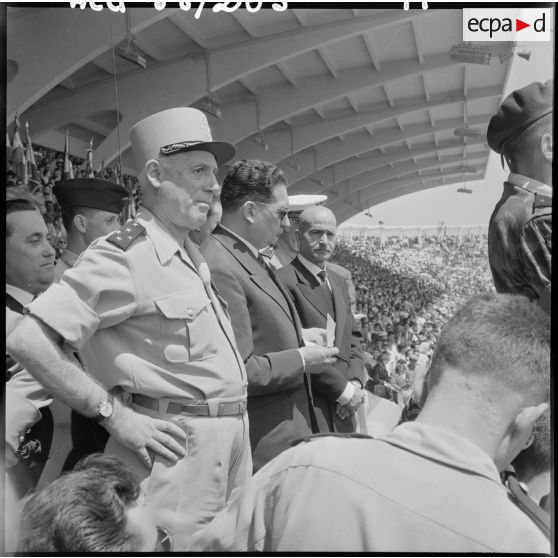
pixel 269 373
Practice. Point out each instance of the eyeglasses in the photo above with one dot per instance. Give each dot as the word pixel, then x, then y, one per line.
pixel 164 540
pixel 281 213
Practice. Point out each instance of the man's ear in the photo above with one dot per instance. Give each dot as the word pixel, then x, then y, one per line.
pixel 80 223
pixel 546 146
pixel 249 211
pixel 153 172
pixel 528 415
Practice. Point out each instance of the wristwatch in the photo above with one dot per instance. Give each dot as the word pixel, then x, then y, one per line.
pixel 105 409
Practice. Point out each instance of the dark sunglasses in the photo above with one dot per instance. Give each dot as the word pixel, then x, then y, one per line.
pixel 164 540
pixel 281 213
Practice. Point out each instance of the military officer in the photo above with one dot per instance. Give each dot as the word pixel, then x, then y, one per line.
pixel 520 229
pixel 90 209
pixel 140 308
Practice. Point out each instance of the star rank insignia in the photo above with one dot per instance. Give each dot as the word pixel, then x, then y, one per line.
pixel 126 234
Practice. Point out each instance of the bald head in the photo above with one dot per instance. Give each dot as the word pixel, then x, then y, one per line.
pixel 317 233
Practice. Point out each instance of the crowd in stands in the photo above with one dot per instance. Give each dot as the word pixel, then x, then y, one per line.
pixel 406 289
pixel 50 165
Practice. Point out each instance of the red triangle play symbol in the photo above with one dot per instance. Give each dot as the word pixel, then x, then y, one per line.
pixel 519 25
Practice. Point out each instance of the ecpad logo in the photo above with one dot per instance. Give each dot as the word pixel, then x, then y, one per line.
pixel 509 24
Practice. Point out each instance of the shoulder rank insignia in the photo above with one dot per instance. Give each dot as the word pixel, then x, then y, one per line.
pixel 126 234
pixel 311 437
pixel 542 200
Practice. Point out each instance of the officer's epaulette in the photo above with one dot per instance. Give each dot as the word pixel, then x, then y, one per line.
pixel 542 200
pixel 311 437
pixel 126 234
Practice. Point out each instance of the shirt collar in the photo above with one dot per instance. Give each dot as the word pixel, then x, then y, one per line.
pixel 310 266
pixel 23 297
pixel 445 446
pixel 249 245
pixel 166 246
pixel 529 184
pixel 69 258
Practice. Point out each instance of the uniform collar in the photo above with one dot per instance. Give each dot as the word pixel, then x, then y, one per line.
pixel 442 445
pixel 534 186
pixel 69 258
pixel 166 246
pixel 23 297
pixel 249 245
pixel 310 266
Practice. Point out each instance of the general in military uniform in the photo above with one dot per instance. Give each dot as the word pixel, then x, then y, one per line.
pixel 520 229
pixel 140 308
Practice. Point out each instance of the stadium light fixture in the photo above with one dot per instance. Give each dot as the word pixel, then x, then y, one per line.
pixel 131 52
pixel 464 190
pixel 463 52
pixel 467 132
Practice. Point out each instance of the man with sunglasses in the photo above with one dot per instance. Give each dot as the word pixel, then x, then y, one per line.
pixel 266 325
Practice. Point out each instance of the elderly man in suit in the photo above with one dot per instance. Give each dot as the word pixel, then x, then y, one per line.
pixel 266 325
pixel 317 293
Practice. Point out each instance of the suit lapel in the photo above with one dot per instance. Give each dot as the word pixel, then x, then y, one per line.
pixel 258 274
pixel 310 289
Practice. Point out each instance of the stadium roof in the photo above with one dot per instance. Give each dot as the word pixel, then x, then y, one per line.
pixel 362 105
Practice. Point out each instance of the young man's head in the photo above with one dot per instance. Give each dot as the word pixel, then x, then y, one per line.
pixel 521 131
pixel 90 209
pixel 255 202
pixel 97 507
pixel 29 253
pixel 491 366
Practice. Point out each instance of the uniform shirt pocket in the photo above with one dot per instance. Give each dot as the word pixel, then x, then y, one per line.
pixel 186 326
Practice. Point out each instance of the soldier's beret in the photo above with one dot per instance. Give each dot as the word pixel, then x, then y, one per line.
pixel 93 193
pixel 519 111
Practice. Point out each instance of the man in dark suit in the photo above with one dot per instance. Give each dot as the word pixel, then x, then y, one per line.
pixel 266 326
pixel 317 293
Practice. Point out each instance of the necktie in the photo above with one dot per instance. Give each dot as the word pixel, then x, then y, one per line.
pixel 322 275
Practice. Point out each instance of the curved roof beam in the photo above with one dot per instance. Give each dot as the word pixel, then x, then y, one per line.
pixel 391 186
pixel 308 135
pixel 334 151
pixel 368 179
pixel 188 76
pixel 278 102
pixel 323 180
pixel 43 65
pixel 348 212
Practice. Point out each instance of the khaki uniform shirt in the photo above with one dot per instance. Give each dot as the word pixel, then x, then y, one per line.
pixel 142 318
pixel 416 489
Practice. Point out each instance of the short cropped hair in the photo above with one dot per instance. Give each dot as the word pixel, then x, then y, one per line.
pixel 519 147
pixel 84 510
pixel 12 206
pixel 535 459
pixel 504 335
pixel 69 213
pixel 250 180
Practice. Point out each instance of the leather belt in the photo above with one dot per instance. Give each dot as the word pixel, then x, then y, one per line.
pixel 203 408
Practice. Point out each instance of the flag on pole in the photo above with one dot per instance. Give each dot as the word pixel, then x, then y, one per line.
pixel 68 171
pixel 18 154
pixel 32 169
pixel 89 173
pixel 8 148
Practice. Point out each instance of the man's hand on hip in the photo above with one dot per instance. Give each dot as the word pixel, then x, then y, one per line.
pixel 141 433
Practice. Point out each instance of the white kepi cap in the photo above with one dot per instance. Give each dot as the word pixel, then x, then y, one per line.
pixel 174 131
pixel 300 202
